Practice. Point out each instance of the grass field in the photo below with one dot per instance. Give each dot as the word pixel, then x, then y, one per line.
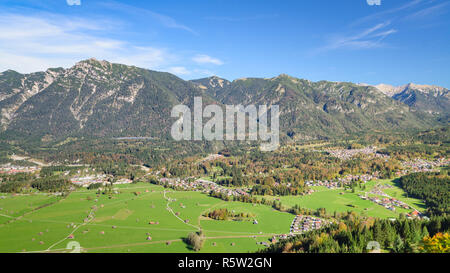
pixel 122 223
pixel 397 192
pixel 13 206
pixel 340 200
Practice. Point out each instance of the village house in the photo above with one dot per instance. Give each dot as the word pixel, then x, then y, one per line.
pixel 304 223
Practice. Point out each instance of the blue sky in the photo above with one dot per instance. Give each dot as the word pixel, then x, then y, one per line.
pixel 397 42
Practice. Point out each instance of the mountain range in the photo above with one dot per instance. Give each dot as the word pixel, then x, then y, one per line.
pixel 102 99
pixel 429 98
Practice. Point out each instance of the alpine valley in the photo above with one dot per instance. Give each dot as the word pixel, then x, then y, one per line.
pixel 87 162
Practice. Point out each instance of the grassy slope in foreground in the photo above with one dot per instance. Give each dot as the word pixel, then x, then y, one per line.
pixel 131 214
pixel 332 200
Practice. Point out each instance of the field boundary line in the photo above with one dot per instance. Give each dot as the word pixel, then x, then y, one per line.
pixel 171 210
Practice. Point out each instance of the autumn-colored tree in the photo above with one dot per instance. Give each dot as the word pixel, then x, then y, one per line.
pixel 342 227
pixel 439 243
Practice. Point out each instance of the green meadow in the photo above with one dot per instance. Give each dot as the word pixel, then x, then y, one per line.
pixel 122 223
pixel 12 206
pixel 344 200
pixel 333 200
pixel 397 192
pixel 148 218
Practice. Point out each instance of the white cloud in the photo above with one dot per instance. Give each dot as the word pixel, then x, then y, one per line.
pixel 358 37
pixel 389 12
pixel 179 70
pixel 73 2
pixel 35 43
pixel 164 20
pixel 205 59
pixel 23 63
pixel 186 73
pixel 146 57
pixel 432 10
pixel 364 39
pixel 203 73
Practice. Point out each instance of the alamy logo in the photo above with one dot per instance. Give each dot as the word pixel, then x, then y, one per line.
pixel 258 127
pixel 374 2
pixel 74 246
pixel 373 246
pixel 73 2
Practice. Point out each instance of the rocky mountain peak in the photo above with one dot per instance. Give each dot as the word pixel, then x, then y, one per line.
pixel 102 99
pixel 218 82
pixel 391 90
pixel 92 63
pixel 388 89
pixel 429 89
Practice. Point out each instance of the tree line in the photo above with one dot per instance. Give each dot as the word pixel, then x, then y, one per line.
pixel 353 235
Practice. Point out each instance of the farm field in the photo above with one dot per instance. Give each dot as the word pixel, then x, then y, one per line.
pixel 12 206
pixel 340 200
pixel 121 224
pixel 397 192
pixel 148 218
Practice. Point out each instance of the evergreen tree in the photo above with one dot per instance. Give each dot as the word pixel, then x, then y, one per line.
pixel 398 245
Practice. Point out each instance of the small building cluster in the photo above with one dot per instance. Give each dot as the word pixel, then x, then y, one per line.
pixel 200 185
pixel 422 165
pixel 211 157
pixel 384 199
pixel 341 181
pixel 387 202
pixel 345 154
pixel 304 223
pixel 416 215
pixel 13 169
pixel 123 181
pixel 85 181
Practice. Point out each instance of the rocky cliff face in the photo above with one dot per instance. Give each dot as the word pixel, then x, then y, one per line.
pixel 322 109
pixel 428 98
pixel 92 98
pixel 98 98
pixel 16 89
